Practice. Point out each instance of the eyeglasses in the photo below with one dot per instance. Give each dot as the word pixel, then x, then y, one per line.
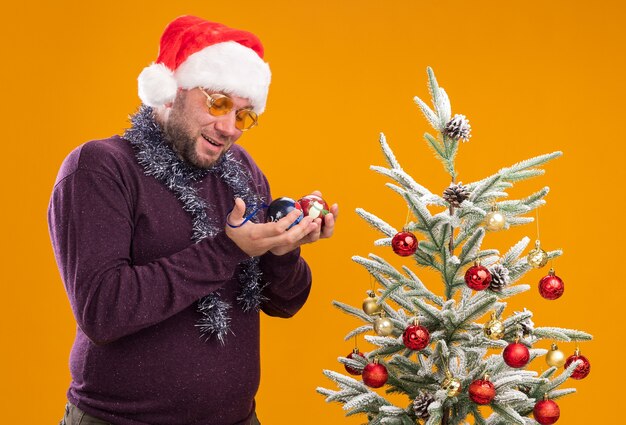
pixel 219 104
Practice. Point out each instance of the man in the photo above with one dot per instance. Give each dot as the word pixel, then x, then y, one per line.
pixel 160 239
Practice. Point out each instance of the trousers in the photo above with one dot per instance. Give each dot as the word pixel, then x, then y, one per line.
pixel 74 416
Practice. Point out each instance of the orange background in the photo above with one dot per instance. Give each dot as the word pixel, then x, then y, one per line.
pixel 532 77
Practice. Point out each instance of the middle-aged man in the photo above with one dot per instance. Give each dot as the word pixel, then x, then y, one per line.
pixel 160 240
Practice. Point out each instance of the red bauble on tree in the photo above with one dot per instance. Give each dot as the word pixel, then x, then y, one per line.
pixel 546 412
pixel 482 391
pixel 416 337
pixel 516 355
pixel 350 369
pixel 404 244
pixel 551 286
pixel 583 369
pixel 375 374
pixel 477 277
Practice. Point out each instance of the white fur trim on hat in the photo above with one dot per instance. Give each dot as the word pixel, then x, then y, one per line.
pixel 229 67
pixel 157 85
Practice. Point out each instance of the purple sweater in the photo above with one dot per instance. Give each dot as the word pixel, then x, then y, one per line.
pixel 123 247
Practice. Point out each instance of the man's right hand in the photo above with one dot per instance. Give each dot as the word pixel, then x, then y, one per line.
pixel 256 239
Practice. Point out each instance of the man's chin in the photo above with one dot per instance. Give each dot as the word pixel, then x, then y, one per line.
pixel 205 162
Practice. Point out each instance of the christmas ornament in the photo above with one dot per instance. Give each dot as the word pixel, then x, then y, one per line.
pixel 537 257
pixel 546 411
pixel 477 277
pixel 383 326
pixel 458 128
pixel 421 403
pixel 494 220
pixel 555 357
pixel 455 194
pixel 583 369
pixel 516 355
pixel 482 391
pixel 551 286
pixel 370 304
pixel 499 277
pixel 494 329
pixel 280 207
pixel 314 206
pixel 415 336
pixel 404 243
pixel 351 370
pixel 375 374
pixel 451 385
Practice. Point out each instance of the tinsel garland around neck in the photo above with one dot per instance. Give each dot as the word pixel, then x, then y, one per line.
pixel 159 160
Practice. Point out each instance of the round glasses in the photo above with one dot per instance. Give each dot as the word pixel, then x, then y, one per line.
pixel 220 104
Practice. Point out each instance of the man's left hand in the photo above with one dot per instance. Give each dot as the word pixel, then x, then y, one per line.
pixel 322 232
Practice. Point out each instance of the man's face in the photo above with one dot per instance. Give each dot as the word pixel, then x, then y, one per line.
pixel 198 137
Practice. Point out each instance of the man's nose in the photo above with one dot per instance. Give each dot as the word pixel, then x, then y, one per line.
pixel 225 124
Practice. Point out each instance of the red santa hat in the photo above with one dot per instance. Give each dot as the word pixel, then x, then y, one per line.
pixel 198 53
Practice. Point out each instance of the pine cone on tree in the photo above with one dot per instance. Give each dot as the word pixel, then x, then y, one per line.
pixel 499 277
pixel 420 405
pixel 455 194
pixel 458 128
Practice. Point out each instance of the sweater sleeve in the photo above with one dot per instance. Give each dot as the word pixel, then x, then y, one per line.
pixel 91 229
pixel 289 283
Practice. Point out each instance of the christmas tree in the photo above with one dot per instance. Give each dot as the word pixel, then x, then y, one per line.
pixel 451 354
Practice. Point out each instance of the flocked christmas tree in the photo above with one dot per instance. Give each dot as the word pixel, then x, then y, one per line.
pixel 451 354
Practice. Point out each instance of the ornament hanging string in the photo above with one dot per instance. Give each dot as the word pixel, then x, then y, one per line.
pixel 537 211
pixel 406 221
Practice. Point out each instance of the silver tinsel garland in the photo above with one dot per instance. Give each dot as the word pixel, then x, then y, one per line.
pixel 160 161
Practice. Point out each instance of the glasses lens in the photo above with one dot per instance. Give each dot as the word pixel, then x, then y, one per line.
pixel 220 105
pixel 246 119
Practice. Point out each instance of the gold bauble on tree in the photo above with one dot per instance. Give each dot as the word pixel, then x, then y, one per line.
pixel 494 329
pixel 451 385
pixel 495 220
pixel 555 357
pixel 537 257
pixel 383 326
pixel 370 304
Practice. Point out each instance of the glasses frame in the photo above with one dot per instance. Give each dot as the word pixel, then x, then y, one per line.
pixel 213 97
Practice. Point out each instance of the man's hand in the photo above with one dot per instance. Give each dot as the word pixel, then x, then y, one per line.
pixel 257 238
pixel 322 232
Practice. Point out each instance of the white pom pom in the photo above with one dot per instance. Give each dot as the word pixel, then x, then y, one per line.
pixel 157 85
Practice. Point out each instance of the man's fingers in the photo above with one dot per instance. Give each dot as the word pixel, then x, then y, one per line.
pixel 334 210
pixel 236 215
pixel 285 222
pixel 329 225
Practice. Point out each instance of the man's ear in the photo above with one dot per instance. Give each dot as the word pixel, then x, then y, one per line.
pixel 169 105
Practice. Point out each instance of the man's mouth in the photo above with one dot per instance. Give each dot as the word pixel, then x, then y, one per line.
pixel 212 141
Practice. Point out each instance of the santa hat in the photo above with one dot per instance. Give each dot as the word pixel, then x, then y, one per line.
pixel 198 53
